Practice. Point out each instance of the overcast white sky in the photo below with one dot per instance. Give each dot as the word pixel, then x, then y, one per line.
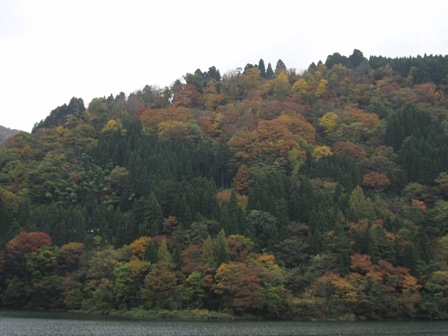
pixel 53 50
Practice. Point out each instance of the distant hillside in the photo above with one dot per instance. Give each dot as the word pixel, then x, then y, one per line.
pixel 5 133
pixel 263 192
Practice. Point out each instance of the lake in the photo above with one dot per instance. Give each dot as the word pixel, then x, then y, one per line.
pixel 19 323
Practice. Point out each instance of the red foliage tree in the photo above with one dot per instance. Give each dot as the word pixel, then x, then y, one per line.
pixel 238 284
pixel 27 242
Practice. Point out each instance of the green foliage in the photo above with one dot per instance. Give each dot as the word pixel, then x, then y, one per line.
pixel 429 68
pixel 210 194
pixel 221 248
pixel 360 207
pixel 60 115
pixel 128 278
pixel 195 293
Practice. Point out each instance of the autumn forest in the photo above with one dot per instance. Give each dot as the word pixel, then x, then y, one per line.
pixel 262 192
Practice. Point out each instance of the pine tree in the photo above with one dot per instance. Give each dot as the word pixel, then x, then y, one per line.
pixel 410 257
pixel 23 214
pixel 343 262
pixel 359 206
pixel 59 233
pixel 5 222
pixel 281 214
pixel 163 254
pixel 233 223
pixel 355 58
pixel 214 73
pixel 280 67
pixel 184 212
pixel 153 215
pixel 234 212
pixel 139 219
pixel 262 68
pixel 119 226
pixel 221 248
pixel 99 221
pixel 152 252
pixel 314 242
pixel 269 72
pixel 305 201
pixel 177 256
pixel 208 254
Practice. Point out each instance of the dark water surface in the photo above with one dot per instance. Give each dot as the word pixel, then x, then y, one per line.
pixel 14 323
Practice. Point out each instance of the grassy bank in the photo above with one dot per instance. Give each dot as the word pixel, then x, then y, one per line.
pixel 195 314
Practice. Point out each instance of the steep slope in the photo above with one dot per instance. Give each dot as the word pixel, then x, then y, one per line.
pixel 320 194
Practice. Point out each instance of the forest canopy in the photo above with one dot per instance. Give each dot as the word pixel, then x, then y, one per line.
pixel 262 191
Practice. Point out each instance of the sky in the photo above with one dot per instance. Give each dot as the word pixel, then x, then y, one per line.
pixel 53 50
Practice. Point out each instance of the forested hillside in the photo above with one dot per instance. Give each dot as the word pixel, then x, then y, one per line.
pixel 5 133
pixel 263 191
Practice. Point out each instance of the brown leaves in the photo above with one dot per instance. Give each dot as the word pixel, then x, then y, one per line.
pixel 138 247
pixel 350 149
pixel 241 180
pixel 377 181
pixel 26 242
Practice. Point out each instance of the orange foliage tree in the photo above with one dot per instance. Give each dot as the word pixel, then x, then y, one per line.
pixel 273 138
pixel 138 247
pixel 337 293
pixel 377 181
pixel 241 180
pixel 27 242
pixel 383 288
pixel 350 149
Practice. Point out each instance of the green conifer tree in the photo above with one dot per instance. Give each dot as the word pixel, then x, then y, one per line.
pixel 23 214
pixel 177 256
pixel 208 254
pixel 262 68
pixel 163 254
pixel 5 222
pixel 269 72
pixel 359 206
pixel 280 66
pixel 59 233
pixel 225 218
pixel 152 252
pixel 119 227
pixel 222 255
pixel 153 215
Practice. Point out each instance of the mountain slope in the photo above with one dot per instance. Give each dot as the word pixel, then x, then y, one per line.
pixel 6 133
pixel 285 195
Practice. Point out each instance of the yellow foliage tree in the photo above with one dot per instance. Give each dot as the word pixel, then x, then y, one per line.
pixel 336 292
pixel 321 88
pixel 300 87
pixel 138 247
pixel 279 86
pixel 173 129
pixel 321 151
pixel 111 125
pixel 329 122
